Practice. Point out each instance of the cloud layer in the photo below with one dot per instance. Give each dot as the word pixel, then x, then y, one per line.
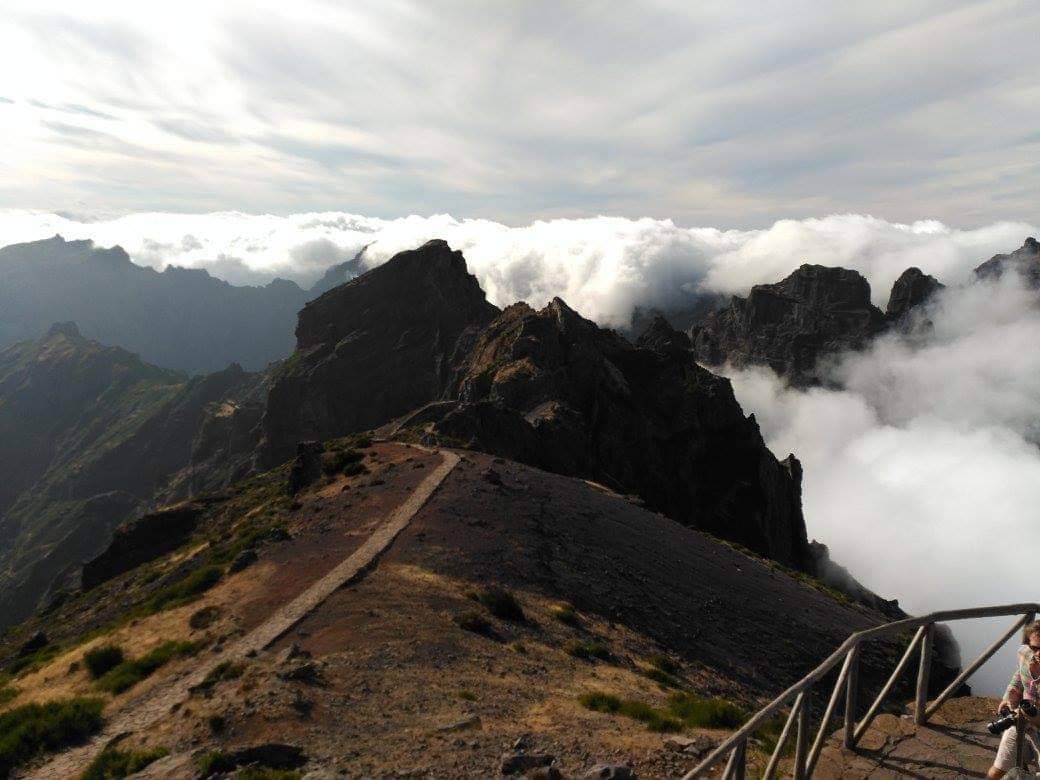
pixel 731 114
pixel 602 266
pixel 923 474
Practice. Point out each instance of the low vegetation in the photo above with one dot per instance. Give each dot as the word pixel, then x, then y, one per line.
pixel 204 618
pixel 7 694
pixel 565 614
pixel 101 660
pixel 586 650
pixel 683 710
pixel 32 729
pixel 217 762
pixel 475 622
pixel 128 673
pixel 337 461
pixel 185 591
pixel 225 670
pixel 663 671
pixel 113 764
pixel 500 603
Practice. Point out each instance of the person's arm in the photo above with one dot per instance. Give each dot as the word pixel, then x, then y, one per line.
pixel 1016 686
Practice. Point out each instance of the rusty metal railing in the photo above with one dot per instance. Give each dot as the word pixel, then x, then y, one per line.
pixel 848 655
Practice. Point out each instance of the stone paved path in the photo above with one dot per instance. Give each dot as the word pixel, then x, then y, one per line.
pixel 156 703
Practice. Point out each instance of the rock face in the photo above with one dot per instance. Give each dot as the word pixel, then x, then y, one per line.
pixel 144 539
pixel 912 288
pixel 375 348
pixel 790 325
pixel 1025 261
pixel 552 389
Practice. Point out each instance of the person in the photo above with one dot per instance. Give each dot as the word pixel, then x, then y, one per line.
pixel 1025 684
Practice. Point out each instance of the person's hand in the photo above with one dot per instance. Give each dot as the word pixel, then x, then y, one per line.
pixel 1004 708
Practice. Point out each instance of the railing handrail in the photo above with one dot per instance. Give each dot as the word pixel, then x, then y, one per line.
pixel 841 652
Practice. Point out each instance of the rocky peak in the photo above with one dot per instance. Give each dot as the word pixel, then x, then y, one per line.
pixel 661 336
pixel 912 288
pixel 790 325
pixel 375 348
pixel 1025 261
pixel 68 329
pixel 552 389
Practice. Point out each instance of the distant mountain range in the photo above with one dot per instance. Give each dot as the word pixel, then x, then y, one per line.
pixel 179 318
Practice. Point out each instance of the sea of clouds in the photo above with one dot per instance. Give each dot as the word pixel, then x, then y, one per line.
pixel 922 474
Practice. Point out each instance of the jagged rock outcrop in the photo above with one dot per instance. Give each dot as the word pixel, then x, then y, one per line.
pixel 1024 261
pixel 144 539
pixel 913 288
pixel 552 389
pixel 375 348
pixel 660 335
pixel 790 325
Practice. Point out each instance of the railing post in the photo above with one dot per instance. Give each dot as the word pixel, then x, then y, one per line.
pixel 801 745
pixel 924 670
pixel 851 698
pixel 736 767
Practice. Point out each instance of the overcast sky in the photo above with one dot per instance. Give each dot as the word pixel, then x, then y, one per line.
pixel 731 114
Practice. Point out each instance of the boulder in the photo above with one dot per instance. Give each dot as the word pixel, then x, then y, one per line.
pixel 306 468
pixel 610 772
pixel 143 540
pixel 520 763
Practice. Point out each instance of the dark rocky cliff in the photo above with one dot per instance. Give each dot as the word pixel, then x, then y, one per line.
pixel 375 348
pixel 1024 261
pixel 789 325
pixel 552 389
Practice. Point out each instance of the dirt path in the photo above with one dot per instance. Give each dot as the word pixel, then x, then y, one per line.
pixel 139 714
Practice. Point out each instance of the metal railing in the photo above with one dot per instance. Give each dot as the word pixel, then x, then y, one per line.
pixel 800 718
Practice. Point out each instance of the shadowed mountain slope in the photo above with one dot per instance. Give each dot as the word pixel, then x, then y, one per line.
pixel 91 435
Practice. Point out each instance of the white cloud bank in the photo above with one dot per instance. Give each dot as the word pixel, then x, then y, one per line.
pixel 923 474
pixel 602 266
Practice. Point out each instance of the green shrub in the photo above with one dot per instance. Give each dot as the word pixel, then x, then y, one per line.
pixel 586 650
pixel 663 663
pixel 204 618
pixel 706 713
pixel 467 696
pixel 501 603
pixel 335 462
pixel 225 670
pixel 663 678
pixel 8 693
pixel 101 660
pixel 113 764
pixel 654 719
pixel 475 622
pixel 27 731
pixel 187 590
pixel 215 762
pixel 354 469
pixel 264 773
pixel 565 614
pixel 217 723
pixel 129 673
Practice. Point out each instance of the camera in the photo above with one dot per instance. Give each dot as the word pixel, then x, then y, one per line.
pixel 1006 722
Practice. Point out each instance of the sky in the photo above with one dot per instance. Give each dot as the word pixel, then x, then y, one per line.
pixel 732 114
